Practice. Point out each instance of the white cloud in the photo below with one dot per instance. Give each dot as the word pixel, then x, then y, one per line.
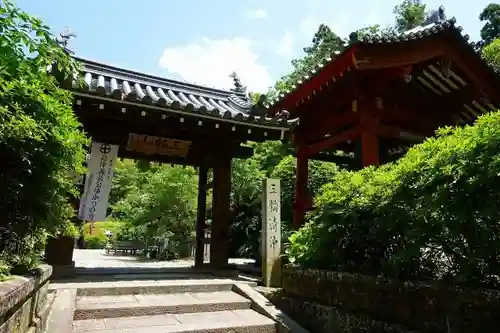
pixel 209 62
pixel 258 13
pixel 285 45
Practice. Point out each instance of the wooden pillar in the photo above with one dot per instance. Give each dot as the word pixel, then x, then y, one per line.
pixel 301 193
pixel 369 139
pixel 200 219
pixel 221 214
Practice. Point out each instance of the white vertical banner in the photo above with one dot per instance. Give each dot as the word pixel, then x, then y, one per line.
pixel 94 201
pixel 271 233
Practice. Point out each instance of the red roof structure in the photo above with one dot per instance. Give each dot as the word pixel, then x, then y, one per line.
pixel 384 93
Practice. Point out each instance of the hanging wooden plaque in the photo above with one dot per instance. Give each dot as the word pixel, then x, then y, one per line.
pixel 154 145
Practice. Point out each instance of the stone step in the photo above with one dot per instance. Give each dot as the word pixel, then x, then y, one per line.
pixel 107 288
pixel 97 307
pixel 236 321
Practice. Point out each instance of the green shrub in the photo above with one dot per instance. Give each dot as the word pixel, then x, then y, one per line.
pixel 4 270
pixel 434 214
pixel 95 241
pixel 100 228
pixel 68 229
pixel 23 263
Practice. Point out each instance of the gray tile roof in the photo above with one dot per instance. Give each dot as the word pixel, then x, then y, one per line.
pixel 102 80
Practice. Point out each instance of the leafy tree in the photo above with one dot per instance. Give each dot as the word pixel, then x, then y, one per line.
pixel 491 53
pixel 491 29
pixel 325 44
pixel 268 154
pixel 409 14
pixel 129 175
pixel 41 143
pixel 246 192
pixel 374 29
pixel 162 203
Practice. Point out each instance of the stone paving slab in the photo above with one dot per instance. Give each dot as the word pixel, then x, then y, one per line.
pixel 132 287
pixel 89 307
pixel 88 259
pixel 120 284
pixel 237 321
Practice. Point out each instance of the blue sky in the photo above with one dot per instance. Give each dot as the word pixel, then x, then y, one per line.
pixel 203 41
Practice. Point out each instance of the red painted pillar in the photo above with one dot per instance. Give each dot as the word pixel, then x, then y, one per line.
pixel 301 193
pixel 369 140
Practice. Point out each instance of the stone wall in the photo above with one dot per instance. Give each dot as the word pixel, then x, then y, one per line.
pixel 325 301
pixel 24 302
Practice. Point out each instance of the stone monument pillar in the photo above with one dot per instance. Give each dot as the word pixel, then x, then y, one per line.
pixel 271 233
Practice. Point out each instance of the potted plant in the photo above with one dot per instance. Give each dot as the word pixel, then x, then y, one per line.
pixel 60 246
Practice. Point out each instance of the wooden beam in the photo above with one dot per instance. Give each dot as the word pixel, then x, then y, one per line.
pixel 188 161
pixel 398 133
pixel 243 152
pixel 315 148
pixel 329 157
pixel 429 104
pixel 474 68
pixel 369 138
pixel 333 69
pixel 378 56
pixel 407 118
pixel 131 117
pixel 332 122
pixel 335 95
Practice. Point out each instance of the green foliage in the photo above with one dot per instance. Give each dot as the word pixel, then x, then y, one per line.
pixel 269 154
pixel 24 263
pixel 128 176
pixel 100 228
pixel 4 270
pixel 409 14
pixel 432 215
pixel 491 53
pixel 246 192
pixel 375 29
pixel 40 140
pixel 97 241
pixel 159 200
pixel 491 29
pixel 68 229
pixel 98 238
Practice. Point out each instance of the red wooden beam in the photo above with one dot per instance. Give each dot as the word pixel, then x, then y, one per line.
pixel 408 118
pixel 438 109
pixel 335 68
pixel 369 147
pixel 332 99
pixel 315 148
pixel 331 122
pixel 369 138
